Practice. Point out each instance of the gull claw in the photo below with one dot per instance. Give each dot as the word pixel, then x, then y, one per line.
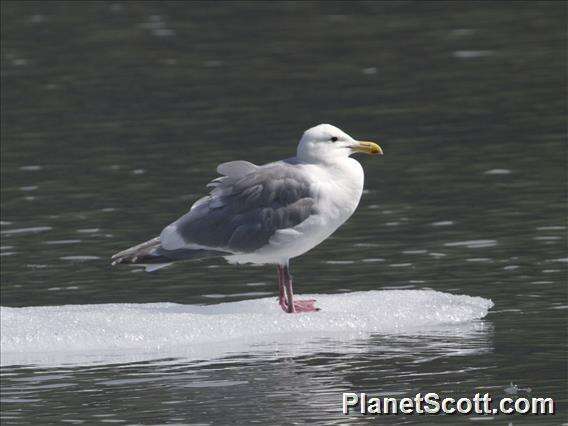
pixel 301 306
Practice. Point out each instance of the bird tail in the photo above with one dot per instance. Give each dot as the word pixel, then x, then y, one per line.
pixel 141 253
pixel 151 252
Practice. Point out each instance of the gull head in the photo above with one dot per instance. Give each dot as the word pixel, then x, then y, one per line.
pixel 327 143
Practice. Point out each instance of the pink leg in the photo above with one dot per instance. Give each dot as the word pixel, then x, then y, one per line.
pixel 281 292
pixel 286 294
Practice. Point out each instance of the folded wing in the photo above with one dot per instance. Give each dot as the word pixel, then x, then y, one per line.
pixel 245 208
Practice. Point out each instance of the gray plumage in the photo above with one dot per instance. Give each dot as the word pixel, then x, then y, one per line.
pixel 151 252
pixel 244 209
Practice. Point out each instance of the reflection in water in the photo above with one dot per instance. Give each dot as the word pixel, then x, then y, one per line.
pixel 277 379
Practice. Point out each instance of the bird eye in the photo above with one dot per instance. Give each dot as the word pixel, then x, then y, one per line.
pixel 333 139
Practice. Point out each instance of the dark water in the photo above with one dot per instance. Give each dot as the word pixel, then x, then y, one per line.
pixel 114 116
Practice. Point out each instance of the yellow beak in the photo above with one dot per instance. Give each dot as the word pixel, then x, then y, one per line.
pixel 368 148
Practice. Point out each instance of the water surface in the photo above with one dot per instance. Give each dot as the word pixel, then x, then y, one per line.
pixel 115 115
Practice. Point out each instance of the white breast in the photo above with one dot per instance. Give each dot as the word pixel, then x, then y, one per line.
pixel 338 189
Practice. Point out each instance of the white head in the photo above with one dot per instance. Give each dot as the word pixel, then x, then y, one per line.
pixel 326 143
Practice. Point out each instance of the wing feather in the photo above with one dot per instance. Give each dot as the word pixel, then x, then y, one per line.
pixel 245 208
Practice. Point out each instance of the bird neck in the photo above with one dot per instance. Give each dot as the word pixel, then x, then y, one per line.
pixel 322 157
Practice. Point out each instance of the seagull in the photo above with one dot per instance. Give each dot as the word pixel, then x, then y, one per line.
pixel 267 214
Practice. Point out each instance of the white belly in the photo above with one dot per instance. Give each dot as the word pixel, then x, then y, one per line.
pixel 338 192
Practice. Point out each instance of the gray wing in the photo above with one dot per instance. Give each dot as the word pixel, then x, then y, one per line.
pixel 244 209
